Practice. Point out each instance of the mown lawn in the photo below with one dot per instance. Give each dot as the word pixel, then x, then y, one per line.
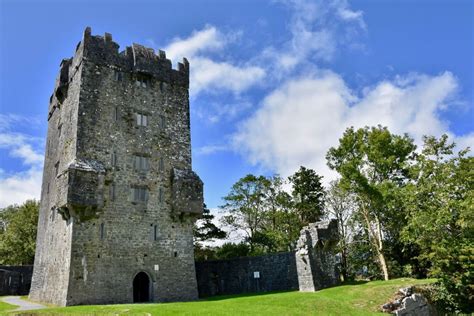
pixel 6 307
pixel 350 299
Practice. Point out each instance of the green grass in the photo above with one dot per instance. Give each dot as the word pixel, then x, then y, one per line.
pixel 349 299
pixel 5 307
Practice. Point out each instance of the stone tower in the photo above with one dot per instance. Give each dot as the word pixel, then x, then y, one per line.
pixel 118 198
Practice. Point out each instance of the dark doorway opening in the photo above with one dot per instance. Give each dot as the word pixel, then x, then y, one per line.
pixel 141 288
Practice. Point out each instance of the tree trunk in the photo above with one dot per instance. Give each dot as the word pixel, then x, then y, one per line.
pixel 376 240
pixel 344 264
pixel 383 265
pixel 342 236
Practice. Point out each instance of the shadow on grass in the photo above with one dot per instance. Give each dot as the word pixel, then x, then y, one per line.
pixel 230 296
pixel 360 282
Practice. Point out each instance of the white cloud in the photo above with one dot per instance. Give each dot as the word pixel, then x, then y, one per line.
pixel 20 185
pixel 318 29
pixel 224 111
pixel 211 149
pixel 300 120
pixel 207 39
pixel 9 119
pixel 18 146
pixel 462 142
pixel 206 74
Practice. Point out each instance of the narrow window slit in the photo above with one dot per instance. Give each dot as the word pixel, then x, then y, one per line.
pixel 102 231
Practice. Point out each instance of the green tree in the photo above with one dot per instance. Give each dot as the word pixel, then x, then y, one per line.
pixel 205 229
pixel 230 250
pixel 261 208
pixel 18 225
pixel 373 164
pixel 440 204
pixel 308 195
pixel 281 227
pixel 342 205
pixel 246 205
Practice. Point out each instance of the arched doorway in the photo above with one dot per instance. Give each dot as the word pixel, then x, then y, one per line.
pixel 141 288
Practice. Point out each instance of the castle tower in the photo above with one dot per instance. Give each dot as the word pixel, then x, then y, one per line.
pixel 118 198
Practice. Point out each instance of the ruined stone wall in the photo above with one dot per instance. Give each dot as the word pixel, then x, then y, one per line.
pixel 311 267
pixel 315 256
pixel 110 234
pixel 277 272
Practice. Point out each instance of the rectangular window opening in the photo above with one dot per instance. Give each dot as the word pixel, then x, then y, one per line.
pixel 113 159
pixel 118 76
pixel 142 81
pixel 140 194
pixel 162 164
pixel 141 163
pixel 112 192
pixel 155 232
pixel 162 122
pixel 102 231
pixel 141 119
pixel 160 195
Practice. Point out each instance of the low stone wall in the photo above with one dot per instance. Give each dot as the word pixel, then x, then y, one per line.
pixel 311 267
pixel 15 280
pixel 273 272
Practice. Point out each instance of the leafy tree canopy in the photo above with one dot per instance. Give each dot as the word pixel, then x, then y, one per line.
pixel 18 226
pixel 308 195
pixel 440 204
pixel 374 164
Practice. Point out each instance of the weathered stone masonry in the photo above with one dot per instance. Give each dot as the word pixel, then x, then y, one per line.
pixel 118 197
pixel 312 266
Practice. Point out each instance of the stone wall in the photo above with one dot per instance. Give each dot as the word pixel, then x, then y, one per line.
pixel 315 256
pixel 311 267
pixel 119 196
pixel 15 280
pixel 276 272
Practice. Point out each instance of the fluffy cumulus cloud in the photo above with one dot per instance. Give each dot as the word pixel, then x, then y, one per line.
pixel 207 39
pixel 21 186
pixel 298 122
pixel 208 74
pixel 25 183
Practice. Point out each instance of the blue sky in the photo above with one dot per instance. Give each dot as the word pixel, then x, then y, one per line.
pixel 273 83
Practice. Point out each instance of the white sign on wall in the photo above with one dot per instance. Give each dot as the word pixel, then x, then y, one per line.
pixel 256 275
pixel 157 267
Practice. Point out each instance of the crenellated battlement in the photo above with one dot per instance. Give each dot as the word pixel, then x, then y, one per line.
pixel 103 50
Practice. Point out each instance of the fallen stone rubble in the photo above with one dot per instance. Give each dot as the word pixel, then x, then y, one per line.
pixel 409 303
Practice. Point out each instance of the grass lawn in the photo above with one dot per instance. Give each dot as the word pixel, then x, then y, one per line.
pixel 351 299
pixel 4 307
